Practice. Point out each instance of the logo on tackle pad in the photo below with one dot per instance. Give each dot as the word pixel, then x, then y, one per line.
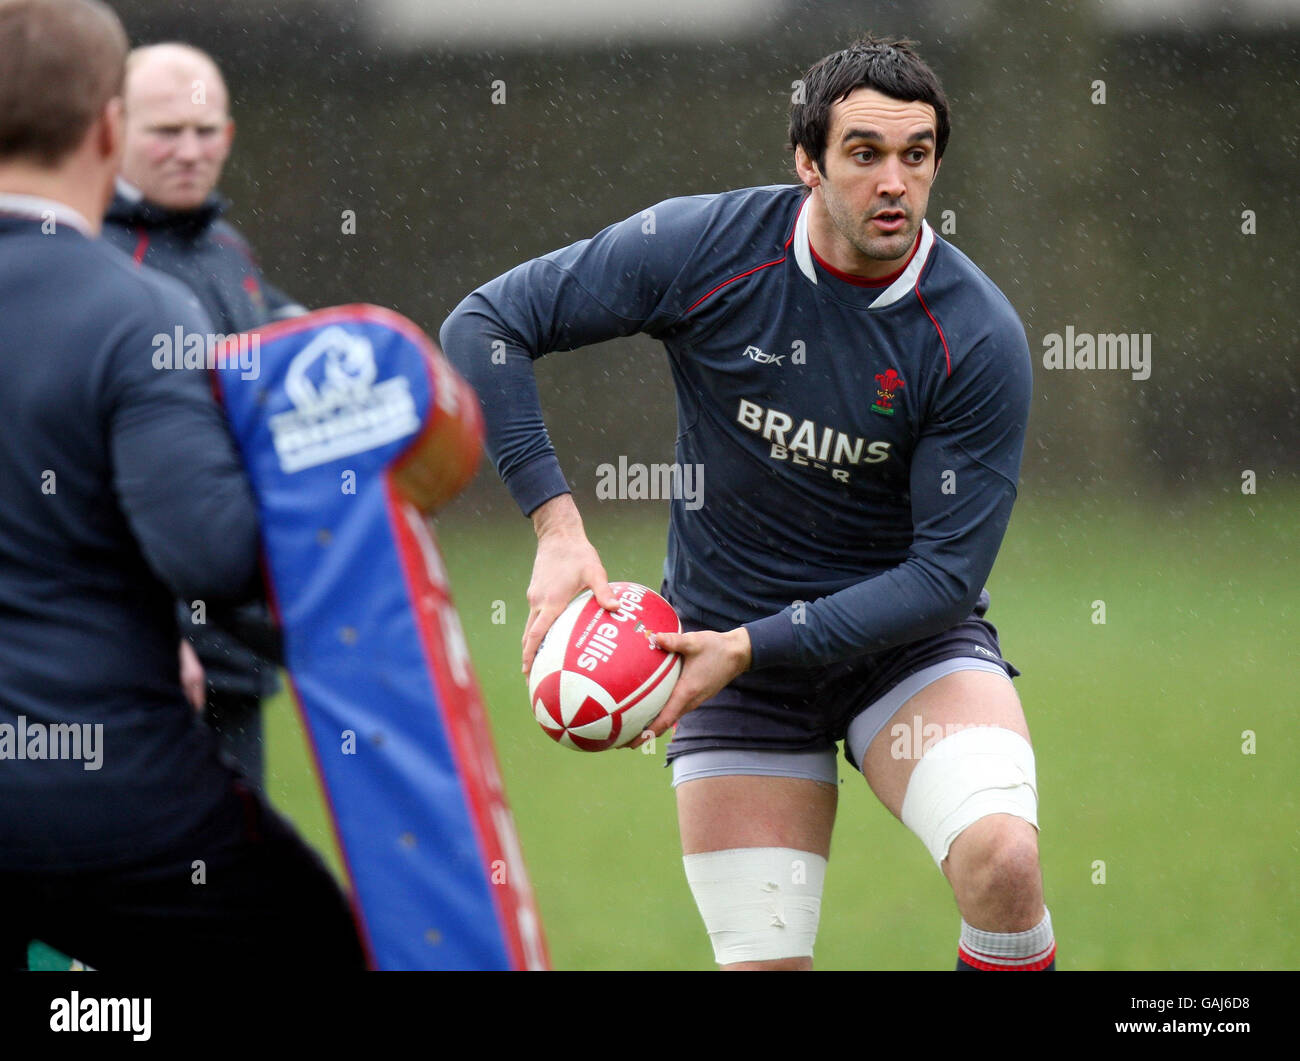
pixel 338 408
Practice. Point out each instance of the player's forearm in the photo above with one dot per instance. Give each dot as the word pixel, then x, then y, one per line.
pixel 891 609
pixel 486 352
pixel 930 592
pixel 611 285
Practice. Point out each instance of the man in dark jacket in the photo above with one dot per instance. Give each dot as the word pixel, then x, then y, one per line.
pixel 124 840
pixel 167 215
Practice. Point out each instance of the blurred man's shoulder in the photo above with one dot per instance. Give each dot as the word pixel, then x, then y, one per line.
pixel 115 275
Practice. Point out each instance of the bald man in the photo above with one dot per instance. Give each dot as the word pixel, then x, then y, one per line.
pixel 167 216
pixel 179 128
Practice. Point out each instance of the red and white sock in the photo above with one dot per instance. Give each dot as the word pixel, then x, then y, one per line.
pixel 1033 950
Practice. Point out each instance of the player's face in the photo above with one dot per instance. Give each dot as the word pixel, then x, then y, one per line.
pixel 178 135
pixel 871 196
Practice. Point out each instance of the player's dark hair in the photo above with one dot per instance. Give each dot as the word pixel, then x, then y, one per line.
pixel 63 61
pixel 889 65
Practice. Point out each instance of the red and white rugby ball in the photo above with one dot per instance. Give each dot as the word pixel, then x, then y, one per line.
pixel 597 681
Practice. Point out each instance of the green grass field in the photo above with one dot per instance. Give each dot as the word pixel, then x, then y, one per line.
pixel 1138 728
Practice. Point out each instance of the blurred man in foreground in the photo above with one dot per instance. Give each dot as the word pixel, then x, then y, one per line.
pixel 124 841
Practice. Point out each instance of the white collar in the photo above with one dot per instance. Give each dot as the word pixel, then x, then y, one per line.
pixel 127 190
pixel 905 282
pixel 40 209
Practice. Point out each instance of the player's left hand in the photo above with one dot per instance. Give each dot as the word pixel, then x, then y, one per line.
pixel 709 662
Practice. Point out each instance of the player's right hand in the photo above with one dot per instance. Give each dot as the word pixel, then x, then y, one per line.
pixel 566 564
pixel 710 661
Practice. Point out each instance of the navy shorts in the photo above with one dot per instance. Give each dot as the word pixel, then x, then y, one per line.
pixel 810 708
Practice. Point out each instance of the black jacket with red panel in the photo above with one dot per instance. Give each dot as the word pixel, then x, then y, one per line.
pixel 215 262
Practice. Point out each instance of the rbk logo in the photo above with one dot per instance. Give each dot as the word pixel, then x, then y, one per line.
pixel 756 355
pixel 887 383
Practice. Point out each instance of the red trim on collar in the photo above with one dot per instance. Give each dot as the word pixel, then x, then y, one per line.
pixel 862 281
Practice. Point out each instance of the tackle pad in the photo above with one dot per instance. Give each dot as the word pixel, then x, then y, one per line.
pixel 352 426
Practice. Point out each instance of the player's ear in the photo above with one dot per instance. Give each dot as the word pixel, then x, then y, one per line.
pixel 110 131
pixel 806 168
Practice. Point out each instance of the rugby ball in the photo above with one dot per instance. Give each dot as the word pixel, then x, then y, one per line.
pixel 597 681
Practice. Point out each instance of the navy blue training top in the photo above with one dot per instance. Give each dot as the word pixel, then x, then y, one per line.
pixel 860 442
pixel 120 490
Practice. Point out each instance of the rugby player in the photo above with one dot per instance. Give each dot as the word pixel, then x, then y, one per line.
pixel 858 392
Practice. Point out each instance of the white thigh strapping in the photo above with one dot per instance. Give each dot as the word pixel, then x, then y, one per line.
pixel 758 903
pixel 967 776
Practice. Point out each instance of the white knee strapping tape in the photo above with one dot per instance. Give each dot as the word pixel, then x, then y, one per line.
pixel 758 903
pixel 967 776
